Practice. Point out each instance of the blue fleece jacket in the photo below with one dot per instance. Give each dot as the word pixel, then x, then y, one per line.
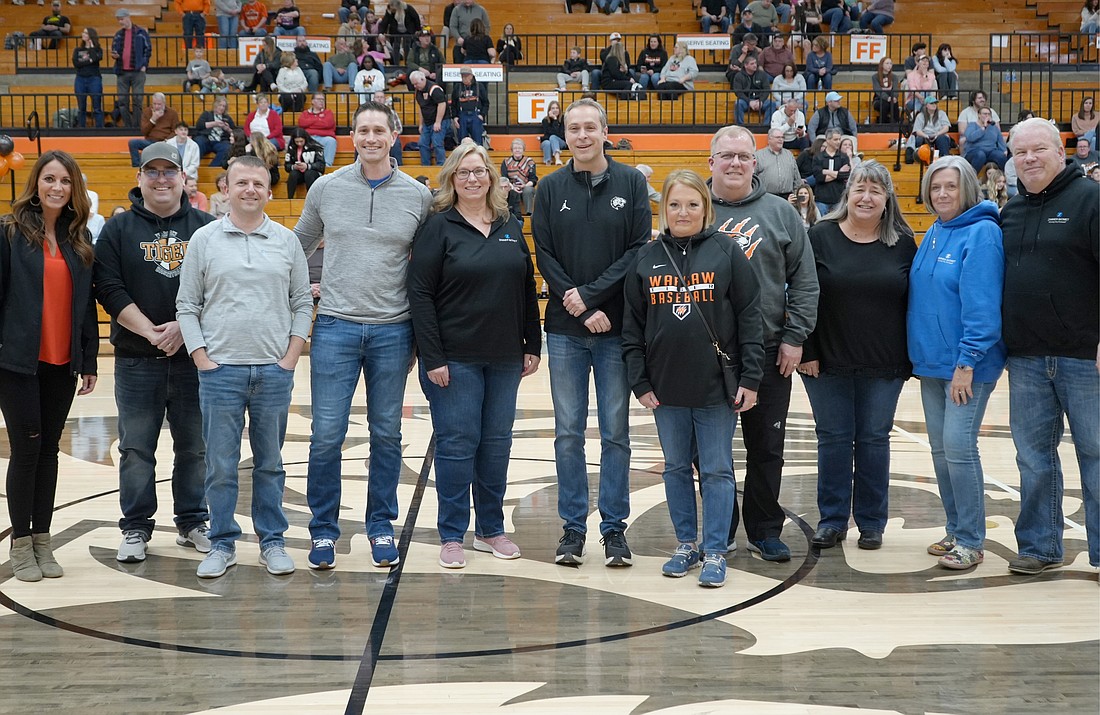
pixel 955 285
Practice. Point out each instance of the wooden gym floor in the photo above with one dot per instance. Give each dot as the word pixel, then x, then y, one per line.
pixel 836 632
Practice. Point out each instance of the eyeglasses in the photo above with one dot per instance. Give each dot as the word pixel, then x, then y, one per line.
pixel 727 157
pixel 154 174
pixel 478 173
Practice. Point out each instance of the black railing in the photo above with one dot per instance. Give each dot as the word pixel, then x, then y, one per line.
pixel 702 110
pixel 1073 52
pixel 540 52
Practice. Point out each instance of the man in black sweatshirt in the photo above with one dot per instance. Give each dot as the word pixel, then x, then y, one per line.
pixel 1051 326
pixel 590 219
pixel 138 260
pixel 770 232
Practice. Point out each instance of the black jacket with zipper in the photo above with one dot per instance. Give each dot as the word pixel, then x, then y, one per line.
pixel 138 260
pixel 586 237
pixel 1051 300
pixel 21 269
pixel 666 345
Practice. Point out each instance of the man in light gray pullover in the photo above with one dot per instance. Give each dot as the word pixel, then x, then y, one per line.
pixel 367 213
pixel 244 308
pixel 462 16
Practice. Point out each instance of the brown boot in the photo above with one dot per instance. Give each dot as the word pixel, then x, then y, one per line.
pixel 22 560
pixel 43 554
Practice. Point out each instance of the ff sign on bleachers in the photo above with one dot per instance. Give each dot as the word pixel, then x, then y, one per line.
pixel 867 49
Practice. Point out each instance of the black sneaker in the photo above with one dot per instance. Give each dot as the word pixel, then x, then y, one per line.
pixel 615 550
pixel 571 549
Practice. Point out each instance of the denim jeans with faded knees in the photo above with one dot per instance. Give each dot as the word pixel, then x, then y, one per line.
pixel 953 434
pixel 680 430
pixel 571 360
pixel 340 351
pixel 1042 393
pixel 226 393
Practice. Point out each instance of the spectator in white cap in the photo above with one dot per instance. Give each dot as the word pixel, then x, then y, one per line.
pixel 612 39
pixel 832 116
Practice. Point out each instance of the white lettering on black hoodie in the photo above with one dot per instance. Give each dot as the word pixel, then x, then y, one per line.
pixel 666 346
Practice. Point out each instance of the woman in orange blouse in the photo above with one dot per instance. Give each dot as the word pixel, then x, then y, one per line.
pixel 48 337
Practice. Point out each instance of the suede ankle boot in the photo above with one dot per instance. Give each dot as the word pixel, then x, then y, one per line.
pixel 43 554
pixel 23 563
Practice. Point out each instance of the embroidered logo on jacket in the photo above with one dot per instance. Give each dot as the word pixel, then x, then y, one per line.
pixel 682 311
pixel 564 206
pixel 618 203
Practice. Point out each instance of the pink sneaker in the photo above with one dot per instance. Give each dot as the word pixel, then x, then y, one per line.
pixel 451 556
pixel 499 546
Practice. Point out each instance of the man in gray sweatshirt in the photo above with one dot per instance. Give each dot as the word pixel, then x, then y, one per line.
pixel 367 214
pixel 770 232
pixel 244 308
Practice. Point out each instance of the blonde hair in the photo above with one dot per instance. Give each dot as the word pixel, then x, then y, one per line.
pixel 496 199
pixel 692 180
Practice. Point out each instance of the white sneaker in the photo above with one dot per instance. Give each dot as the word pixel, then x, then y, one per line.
pixel 132 548
pixel 198 539
pixel 215 564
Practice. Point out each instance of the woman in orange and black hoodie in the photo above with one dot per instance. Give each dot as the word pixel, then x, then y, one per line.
pixel 673 369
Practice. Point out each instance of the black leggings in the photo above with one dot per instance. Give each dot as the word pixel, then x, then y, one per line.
pixel 35 408
pixel 295 177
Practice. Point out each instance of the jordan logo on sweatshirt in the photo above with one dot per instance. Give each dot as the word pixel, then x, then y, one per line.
pixel 743 237
pixel 166 250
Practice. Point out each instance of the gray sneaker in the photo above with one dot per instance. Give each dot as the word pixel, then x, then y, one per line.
pixel 132 548
pixel 277 560
pixel 215 564
pixel 198 539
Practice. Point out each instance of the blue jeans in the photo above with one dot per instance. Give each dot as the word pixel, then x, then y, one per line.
pixel 680 430
pixel 766 108
pixel 328 144
pixel 1042 391
pixel 296 31
pixel 877 23
pixel 815 81
pixel 723 24
pixel 345 13
pixel 194 27
pixel 953 434
pixel 853 417
pixel 431 142
pixel 980 157
pixel 472 418
pixel 332 74
pixel 227 31
pixel 83 88
pixel 220 150
pixel 470 125
pixel 838 20
pixel 136 147
pixel 571 360
pixel 340 351
pixel 147 390
pixel 226 393
pixel 550 147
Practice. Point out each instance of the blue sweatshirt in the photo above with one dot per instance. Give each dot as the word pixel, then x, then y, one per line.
pixel 955 284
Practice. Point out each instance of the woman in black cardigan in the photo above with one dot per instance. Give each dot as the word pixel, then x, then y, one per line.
pixel 48 336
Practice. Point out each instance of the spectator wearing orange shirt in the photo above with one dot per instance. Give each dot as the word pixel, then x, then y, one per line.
pixel 253 19
pixel 194 21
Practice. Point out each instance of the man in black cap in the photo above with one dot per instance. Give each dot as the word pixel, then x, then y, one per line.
pixel 138 260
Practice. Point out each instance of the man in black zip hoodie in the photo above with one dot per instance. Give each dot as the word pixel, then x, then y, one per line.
pixel 590 219
pixel 138 259
pixel 1051 326
pixel 771 234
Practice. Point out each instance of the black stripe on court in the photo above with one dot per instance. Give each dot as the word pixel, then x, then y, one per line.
pixel 365 675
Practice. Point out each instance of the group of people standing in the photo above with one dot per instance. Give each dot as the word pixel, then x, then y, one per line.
pixel 705 325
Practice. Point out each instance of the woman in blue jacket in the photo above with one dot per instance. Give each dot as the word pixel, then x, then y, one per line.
pixel 48 336
pixel 954 333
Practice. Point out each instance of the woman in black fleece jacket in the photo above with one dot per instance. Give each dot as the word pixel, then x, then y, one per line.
pixel 672 365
